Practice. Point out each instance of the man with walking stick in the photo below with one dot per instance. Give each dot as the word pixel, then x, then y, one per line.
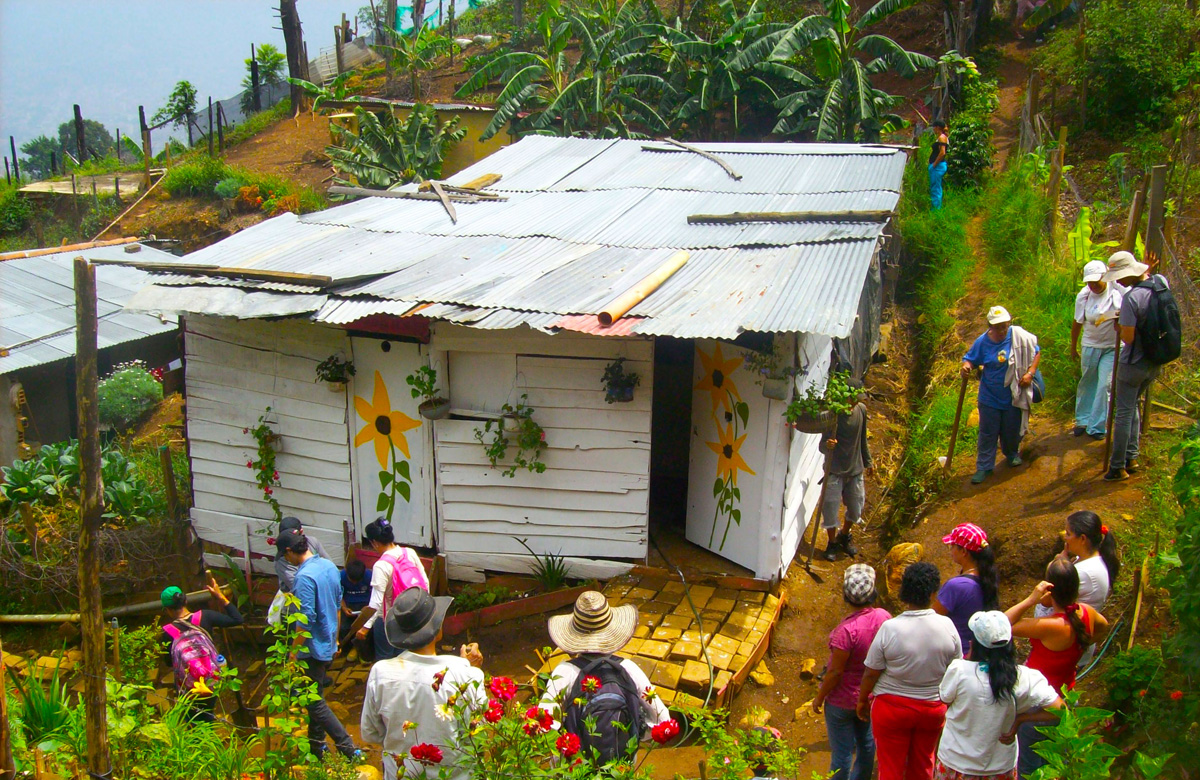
pixel 847 460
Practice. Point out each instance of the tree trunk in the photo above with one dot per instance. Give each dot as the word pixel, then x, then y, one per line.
pixel 91 507
pixel 293 38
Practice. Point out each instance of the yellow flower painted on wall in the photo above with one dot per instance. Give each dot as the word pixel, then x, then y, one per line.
pixel 729 460
pixel 716 379
pixel 385 428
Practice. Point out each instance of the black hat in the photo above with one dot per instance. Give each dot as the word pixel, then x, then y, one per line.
pixel 290 540
pixel 414 618
pixel 289 524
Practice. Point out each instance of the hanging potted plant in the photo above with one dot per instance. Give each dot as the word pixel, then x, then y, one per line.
pixel 618 385
pixel 525 432
pixel 336 372
pixel 817 410
pixel 770 373
pixel 423 382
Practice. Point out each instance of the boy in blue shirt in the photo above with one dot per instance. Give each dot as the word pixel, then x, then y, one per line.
pixel 356 592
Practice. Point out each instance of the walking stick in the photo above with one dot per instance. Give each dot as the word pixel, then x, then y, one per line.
pixel 962 393
pixel 1112 400
pixel 812 543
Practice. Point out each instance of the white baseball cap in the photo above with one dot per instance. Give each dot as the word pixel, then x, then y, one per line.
pixel 991 629
pixel 997 315
pixel 1094 271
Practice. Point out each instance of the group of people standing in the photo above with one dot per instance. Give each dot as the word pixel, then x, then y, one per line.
pixel 936 691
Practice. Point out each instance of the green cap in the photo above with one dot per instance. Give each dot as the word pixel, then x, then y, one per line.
pixel 173 597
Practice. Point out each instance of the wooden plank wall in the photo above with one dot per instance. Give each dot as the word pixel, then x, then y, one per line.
pixel 235 369
pixel 805 460
pixel 592 501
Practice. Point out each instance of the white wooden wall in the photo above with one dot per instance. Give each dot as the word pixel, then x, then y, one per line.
pixel 235 370
pixel 806 462
pixel 593 499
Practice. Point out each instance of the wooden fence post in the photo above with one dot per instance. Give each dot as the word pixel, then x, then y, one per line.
pixel 1129 241
pixel 337 48
pixel 80 140
pixel 450 30
pixel 116 640
pixel 145 148
pixel 220 129
pixel 1156 202
pixel 12 144
pixel 1055 183
pixel 210 124
pixel 91 507
pixel 255 93
pixel 7 175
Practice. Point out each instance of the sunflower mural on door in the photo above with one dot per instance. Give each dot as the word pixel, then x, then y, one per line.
pixel 731 415
pixel 385 427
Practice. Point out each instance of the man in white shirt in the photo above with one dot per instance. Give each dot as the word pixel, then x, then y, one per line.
pixel 408 698
pixel 591 634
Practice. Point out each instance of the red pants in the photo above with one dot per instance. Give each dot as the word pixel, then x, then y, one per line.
pixel 906 736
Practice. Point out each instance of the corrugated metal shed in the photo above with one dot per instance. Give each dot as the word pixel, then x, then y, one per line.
pixel 37 304
pixel 583 221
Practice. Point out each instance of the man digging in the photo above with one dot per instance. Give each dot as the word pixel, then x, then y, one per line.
pixel 847 460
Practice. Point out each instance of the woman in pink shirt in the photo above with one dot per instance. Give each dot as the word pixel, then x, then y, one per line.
pixel 850 739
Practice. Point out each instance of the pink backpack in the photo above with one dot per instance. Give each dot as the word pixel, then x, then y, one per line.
pixel 193 653
pixel 407 572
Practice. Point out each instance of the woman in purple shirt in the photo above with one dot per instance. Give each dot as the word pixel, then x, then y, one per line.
pixel 977 586
pixel 850 739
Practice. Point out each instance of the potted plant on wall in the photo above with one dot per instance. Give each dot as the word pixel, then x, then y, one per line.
pixel 526 434
pixel 336 372
pixel 816 411
pixel 618 385
pixel 423 382
pixel 771 373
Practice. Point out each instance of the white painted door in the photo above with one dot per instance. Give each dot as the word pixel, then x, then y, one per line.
pixel 389 440
pixel 730 419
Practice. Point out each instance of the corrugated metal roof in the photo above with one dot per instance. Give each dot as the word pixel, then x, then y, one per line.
pixel 37 304
pixel 586 220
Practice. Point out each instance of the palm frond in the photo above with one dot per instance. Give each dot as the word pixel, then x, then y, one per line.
pixel 797 39
pixel 905 62
pixel 829 118
pixel 882 10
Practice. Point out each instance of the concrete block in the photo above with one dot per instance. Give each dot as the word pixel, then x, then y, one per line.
pixel 753 596
pixel 720 659
pixel 723 678
pixel 702 592
pixel 649 620
pixel 642 630
pixel 633 646
pixel 683 651
pixel 694 676
pixel 655 649
pixel 666 694
pixel 685 701
pixel 724 606
pixel 738 633
pixel 636 595
pixel 723 644
pixel 666 675
pixel 655 608
pixel 681 622
pixel 673 586
pixel 725 593
pixel 647 665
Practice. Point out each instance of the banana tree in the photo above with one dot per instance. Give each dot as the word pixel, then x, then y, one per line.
pixel 418 51
pixel 837 101
pixel 387 151
pixel 1083 248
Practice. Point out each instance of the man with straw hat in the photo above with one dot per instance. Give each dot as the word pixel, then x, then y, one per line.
pixel 407 697
pixel 595 683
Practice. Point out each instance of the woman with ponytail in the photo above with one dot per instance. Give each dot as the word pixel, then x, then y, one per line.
pixel 1057 641
pixel 987 696
pixel 1093 548
pixel 398 569
pixel 977 586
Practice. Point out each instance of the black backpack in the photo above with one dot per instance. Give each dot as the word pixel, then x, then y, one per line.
pixel 608 722
pixel 1160 331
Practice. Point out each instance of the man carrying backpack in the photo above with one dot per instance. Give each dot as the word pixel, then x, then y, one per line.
pixel 608 702
pixel 188 645
pixel 1150 337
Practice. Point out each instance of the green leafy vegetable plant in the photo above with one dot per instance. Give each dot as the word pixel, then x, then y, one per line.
pixel 528 436
pixel 837 397
pixel 126 394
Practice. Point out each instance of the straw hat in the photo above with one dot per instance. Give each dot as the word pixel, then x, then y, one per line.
pixel 594 626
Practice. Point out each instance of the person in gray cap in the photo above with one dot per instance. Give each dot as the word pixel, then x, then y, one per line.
pixel 1097 307
pixel 850 740
pixel 286 572
pixel 1138 363
pixel 407 696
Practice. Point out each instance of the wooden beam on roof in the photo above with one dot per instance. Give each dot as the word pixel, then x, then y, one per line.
pixel 706 155
pixel 458 197
pixel 445 199
pixel 249 274
pixel 54 250
pixel 742 217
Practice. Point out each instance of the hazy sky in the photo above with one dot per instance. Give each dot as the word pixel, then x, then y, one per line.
pixel 109 56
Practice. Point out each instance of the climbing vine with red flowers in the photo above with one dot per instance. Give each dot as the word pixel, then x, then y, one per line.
pixel 266 475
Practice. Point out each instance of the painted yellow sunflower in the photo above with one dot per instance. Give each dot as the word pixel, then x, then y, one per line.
pixel 716 381
pixel 729 460
pixel 381 424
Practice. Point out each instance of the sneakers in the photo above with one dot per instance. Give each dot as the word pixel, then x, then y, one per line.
pixel 847 544
pixel 831 551
pixel 1116 475
pixel 980 476
pixel 1015 460
pixel 1132 466
pixel 1079 430
pixel 1097 436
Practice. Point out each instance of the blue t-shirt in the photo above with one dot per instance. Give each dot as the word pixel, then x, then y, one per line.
pixel 356 594
pixel 993 357
pixel 318 585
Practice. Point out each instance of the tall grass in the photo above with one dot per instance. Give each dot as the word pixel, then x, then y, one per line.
pixel 199 178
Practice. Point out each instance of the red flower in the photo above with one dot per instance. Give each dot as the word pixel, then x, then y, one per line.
pixel 567 744
pixel 591 683
pixel 437 680
pixel 275 476
pixel 426 753
pixel 267 490
pixel 1142 692
pixel 271 541
pixel 665 731
pixel 245 430
pixel 1176 695
pixel 495 712
pixel 537 721
pixel 503 688
pixel 249 464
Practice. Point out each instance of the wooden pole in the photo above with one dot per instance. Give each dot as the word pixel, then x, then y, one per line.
pixel 168 472
pixel 337 48
pixel 1145 416
pixel 1156 202
pixel 117 188
pixel 80 141
pixel 118 144
pixel 962 394
pixel 210 126
pixel 91 507
pixel 53 164
pixel 249 569
pixel 1056 179
pixel 116 642
pixel 7 175
pixel 1129 241
pixel 220 128
pixel 8 769
pixel 1112 398
pixel 450 30
pixel 293 39
pixel 145 149
pixel 255 92
pixel 12 145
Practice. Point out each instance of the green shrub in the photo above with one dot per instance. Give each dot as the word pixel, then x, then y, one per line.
pixel 228 187
pixel 15 212
pixel 970 132
pixel 196 178
pixel 126 394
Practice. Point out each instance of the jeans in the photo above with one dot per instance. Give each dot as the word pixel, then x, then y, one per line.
pixel 936 174
pixel 321 720
pixel 1002 424
pixel 383 648
pixel 906 735
pixel 1132 381
pixel 838 488
pixel 850 741
pixel 1028 761
pixel 1091 395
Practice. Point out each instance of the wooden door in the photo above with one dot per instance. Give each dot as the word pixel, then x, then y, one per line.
pixel 393 472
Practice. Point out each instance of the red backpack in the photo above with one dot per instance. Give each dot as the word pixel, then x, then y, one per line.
pixel 193 654
pixel 407 572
